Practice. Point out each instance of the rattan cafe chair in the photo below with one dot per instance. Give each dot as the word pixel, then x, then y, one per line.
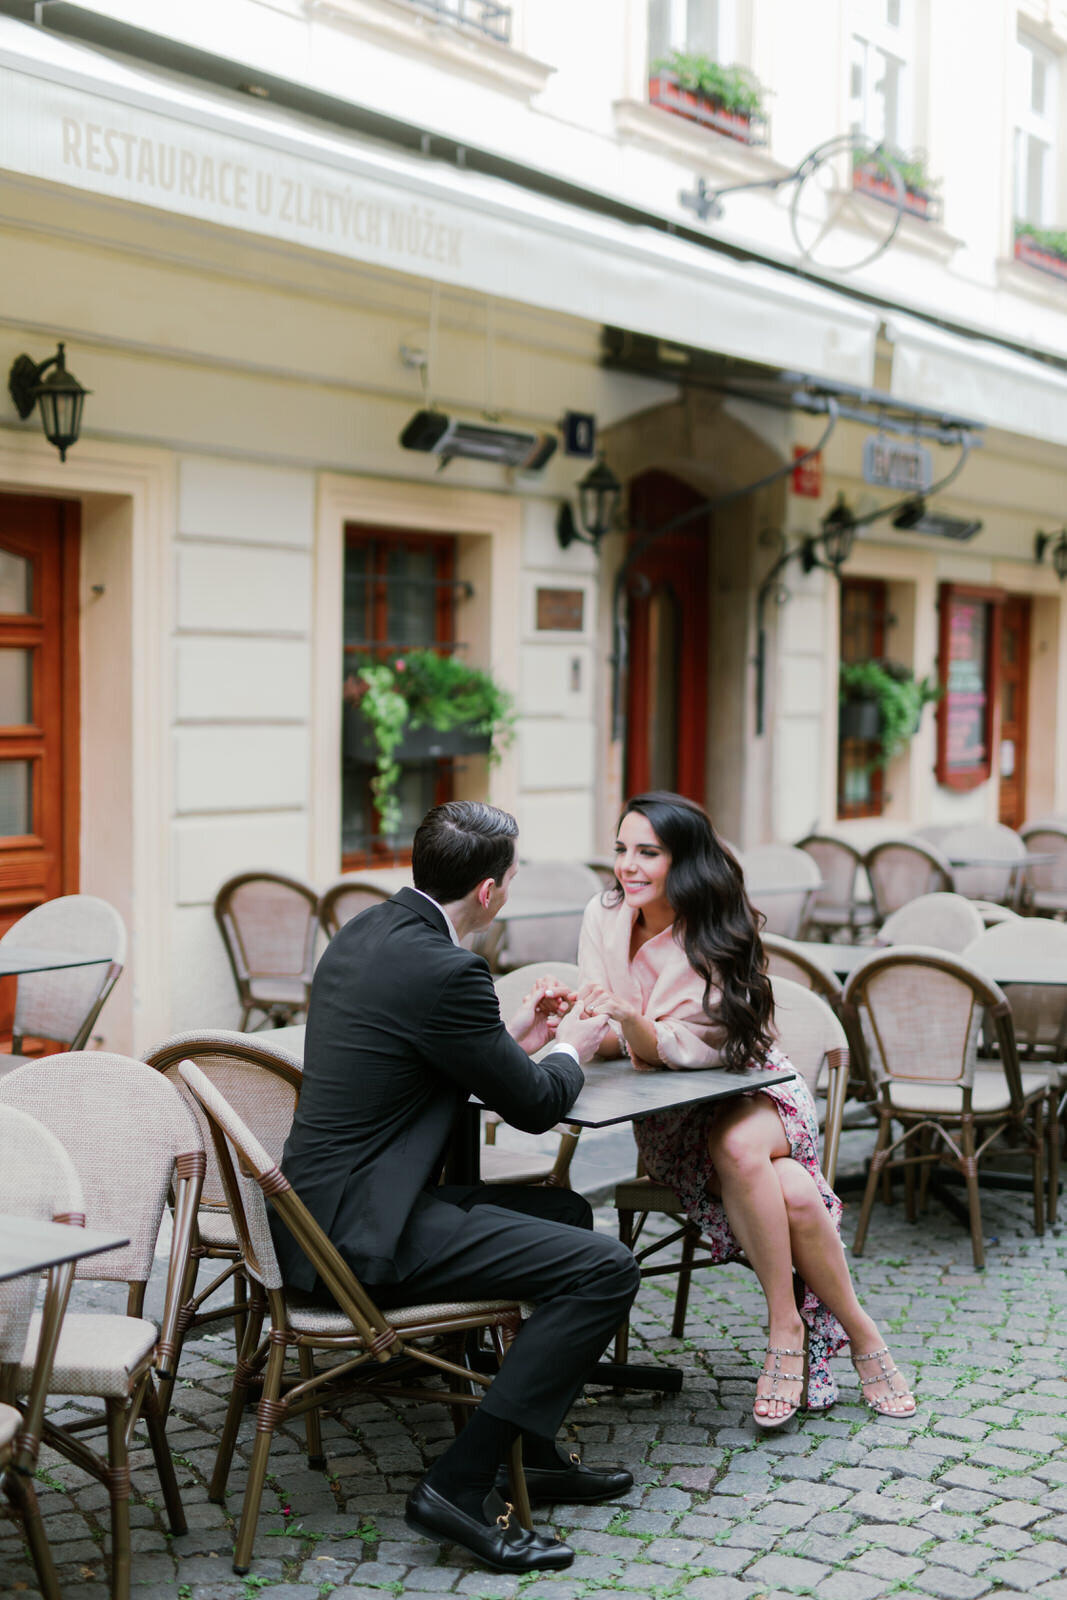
pixel 269 925
pixel 37 1179
pixel 1038 1010
pixel 429 1336
pixel 1000 870
pixel 62 1005
pixel 813 1039
pixel 836 907
pixel 517 941
pixel 262 1082
pixel 1045 894
pixel 131 1139
pixel 550 1162
pixel 899 870
pixel 782 883
pixel 919 1014
pixel 944 921
pixel 344 899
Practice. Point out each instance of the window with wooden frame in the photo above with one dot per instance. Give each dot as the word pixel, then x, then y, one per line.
pixel 967 665
pixel 399 594
pixel 864 618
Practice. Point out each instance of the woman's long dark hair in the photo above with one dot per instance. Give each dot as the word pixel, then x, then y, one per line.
pixel 713 922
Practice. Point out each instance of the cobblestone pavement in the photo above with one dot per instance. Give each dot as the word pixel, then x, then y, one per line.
pixel 967 1498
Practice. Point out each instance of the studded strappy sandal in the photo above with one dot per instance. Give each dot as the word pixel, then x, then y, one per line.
pixel 889 1374
pixel 778 1379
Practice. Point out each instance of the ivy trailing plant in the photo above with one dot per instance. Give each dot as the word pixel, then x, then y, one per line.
pixel 731 88
pixel 422 689
pixel 898 694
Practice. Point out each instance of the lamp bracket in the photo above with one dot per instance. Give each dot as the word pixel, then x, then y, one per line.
pixel 22 383
pixel 567 530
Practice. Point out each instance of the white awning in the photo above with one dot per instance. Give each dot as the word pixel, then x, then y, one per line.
pixel 972 378
pixel 73 116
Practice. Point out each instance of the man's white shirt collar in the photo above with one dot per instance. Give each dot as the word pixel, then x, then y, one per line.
pixel 453 935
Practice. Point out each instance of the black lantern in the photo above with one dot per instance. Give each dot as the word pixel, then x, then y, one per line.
pixel 1058 552
pixel 60 395
pixel 838 533
pixel 599 493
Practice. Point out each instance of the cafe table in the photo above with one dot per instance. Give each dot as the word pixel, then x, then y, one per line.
pixel 843 959
pixel 30 1244
pixel 612 1093
pixel 19 958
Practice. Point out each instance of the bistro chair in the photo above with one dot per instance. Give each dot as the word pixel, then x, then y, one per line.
pixel 262 1082
pixel 268 924
pixel 900 870
pixel 1046 882
pixel 1038 1010
pixel 945 921
pixel 991 913
pixel 131 1140
pixel 344 899
pixel 529 930
pixel 782 883
pixel 62 1005
pixel 604 867
pixel 426 1337
pixel 37 1179
pixel 919 1014
pixel 836 908
pixel 552 1167
pixel 786 959
pixel 1000 867
pixel 814 1040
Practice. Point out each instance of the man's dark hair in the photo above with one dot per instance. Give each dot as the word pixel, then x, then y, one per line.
pixel 459 845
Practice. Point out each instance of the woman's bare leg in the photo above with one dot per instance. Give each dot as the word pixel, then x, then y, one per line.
pixel 746 1141
pixel 819 1257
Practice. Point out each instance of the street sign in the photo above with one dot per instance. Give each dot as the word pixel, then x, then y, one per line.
pixel 806 479
pixel 579 434
pixel 897 464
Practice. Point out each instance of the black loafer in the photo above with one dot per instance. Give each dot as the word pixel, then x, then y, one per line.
pixel 499 1543
pixel 572 1484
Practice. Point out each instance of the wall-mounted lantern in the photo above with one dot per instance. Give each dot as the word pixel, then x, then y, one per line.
pixel 58 393
pixel 1057 552
pixel 599 496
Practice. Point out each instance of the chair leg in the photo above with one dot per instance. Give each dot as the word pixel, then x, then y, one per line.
pixel 23 1497
pixel 1053 1125
pixel 622 1338
pixel 970 1173
pixel 1038 1166
pixel 185 1296
pixel 240 1306
pixel 685 1277
pixel 118 1485
pixel 244 1371
pixel 909 1179
pixel 312 1421
pixel 877 1162
pixel 157 1438
pixel 266 1415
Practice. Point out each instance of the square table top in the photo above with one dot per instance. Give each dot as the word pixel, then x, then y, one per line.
pixel 29 1244
pixel 18 958
pixel 843 959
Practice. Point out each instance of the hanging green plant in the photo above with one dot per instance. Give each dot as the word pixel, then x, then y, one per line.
pixel 422 689
pixel 897 693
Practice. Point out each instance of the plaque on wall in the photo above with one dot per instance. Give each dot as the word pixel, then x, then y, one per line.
pixel 966 664
pixel 560 610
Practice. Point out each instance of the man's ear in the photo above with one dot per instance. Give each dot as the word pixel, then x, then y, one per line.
pixel 484 892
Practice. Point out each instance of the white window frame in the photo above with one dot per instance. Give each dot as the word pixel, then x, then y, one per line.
pixel 873 40
pixel 725 50
pixel 1041 126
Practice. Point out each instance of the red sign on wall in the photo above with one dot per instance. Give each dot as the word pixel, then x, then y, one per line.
pixel 807 478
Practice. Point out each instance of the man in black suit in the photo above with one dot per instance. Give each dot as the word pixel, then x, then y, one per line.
pixel 403 1027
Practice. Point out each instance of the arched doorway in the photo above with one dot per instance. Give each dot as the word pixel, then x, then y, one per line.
pixel 667 597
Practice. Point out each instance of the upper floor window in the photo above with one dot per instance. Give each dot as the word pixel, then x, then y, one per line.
pixel 485 17
pixel 1035 132
pixel 879 81
pixel 703 27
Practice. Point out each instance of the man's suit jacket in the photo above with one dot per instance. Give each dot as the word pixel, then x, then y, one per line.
pixel 403 1026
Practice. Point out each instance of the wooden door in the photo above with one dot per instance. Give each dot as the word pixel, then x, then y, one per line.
pixel 1014 695
pixel 666 745
pixel 38 702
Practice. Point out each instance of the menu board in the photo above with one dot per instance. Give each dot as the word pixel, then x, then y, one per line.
pixel 968 622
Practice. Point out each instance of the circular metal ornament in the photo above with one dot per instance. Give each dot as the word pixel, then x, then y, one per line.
pixel 836 223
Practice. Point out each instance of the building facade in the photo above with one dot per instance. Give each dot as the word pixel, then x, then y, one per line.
pixel 270 232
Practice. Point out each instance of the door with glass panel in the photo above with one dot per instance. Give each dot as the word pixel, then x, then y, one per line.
pixel 38 702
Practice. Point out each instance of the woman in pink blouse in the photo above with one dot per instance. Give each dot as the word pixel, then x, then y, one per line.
pixel 673 957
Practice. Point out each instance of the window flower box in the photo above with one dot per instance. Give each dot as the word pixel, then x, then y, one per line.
pixel 359 743
pixel 1044 249
pixel 725 99
pixel 871 178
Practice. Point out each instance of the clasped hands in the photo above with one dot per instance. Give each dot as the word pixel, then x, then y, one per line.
pixel 579 1018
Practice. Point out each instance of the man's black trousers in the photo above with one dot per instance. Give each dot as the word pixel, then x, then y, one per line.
pixel 535 1244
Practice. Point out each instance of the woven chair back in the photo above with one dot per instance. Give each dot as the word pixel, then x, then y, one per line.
pixel 945 921
pixel 920 1012
pixel 63 1004
pixel 124 1128
pixel 269 925
pixel 37 1179
pixel 345 899
pixel 260 1081
pixel 1047 838
pixel 806 1027
pixel 900 870
pixel 1038 1010
pixel 548 938
pixel 838 863
pixel 785 960
pixel 994 842
pixel 777 867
